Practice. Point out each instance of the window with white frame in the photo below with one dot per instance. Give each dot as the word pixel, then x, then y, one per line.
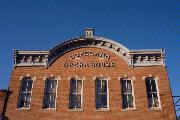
pixel 49 100
pixel 101 93
pixel 127 94
pixel 152 93
pixel 25 93
pixel 76 91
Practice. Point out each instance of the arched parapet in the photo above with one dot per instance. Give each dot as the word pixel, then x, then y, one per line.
pixel 132 57
pixel 97 42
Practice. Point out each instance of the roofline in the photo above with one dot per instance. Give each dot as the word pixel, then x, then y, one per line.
pixel 132 57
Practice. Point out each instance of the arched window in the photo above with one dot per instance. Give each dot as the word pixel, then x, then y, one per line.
pixel 25 93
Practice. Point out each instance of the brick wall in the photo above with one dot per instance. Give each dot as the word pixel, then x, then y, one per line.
pixel 62 112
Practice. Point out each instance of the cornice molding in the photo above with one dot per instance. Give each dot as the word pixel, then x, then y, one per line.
pixel 144 57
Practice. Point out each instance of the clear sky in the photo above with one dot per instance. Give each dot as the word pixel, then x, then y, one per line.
pixel 137 24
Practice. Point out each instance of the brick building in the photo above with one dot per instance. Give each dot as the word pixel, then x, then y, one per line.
pixel 90 78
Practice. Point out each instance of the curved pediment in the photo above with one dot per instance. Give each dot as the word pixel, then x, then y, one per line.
pixel 98 42
pixel 131 57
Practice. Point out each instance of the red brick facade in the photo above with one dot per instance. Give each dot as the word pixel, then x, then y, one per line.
pixel 121 69
pixel 89 112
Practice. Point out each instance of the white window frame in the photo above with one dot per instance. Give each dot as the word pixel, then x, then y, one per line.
pixel 51 78
pixel 33 78
pixel 132 85
pixel 76 78
pixel 107 79
pixel 156 82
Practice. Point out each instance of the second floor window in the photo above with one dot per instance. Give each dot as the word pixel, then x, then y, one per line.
pixel 127 94
pixel 101 94
pixel 49 100
pixel 152 94
pixel 75 93
pixel 25 93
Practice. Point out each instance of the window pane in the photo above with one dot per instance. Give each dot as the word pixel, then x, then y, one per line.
pixel 29 85
pixel 72 100
pixel 148 85
pixel 46 101
pixel 153 85
pixel 24 84
pixel 104 100
pixel 78 104
pixel 78 101
pixel 124 86
pixel 98 86
pixel 49 101
pixel 24 100
pixel 48 86
pixel 52 100
pixel 124 104
pixel 130 101
pixel 129 87
pixel 155 100
pixel 79 86
pixel 98 101
pixel 104 86
pixel 150 100
pixel 73 85
pixel 54 86
pixel 51 86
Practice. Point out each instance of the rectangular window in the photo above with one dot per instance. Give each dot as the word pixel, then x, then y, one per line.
pixel 127 94
pixel 101 94
pixel 152 94
pixel 25 93
pixel 49 100
pixel 76 94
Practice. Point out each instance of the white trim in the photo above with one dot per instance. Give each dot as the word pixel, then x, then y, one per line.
pixel 76 77
pixel 125 76
pixel 156 80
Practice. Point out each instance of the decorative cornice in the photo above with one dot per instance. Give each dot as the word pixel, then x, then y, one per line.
pixel 30 58
pixel 132 57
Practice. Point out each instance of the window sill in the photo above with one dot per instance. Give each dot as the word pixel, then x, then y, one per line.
pixel 23 108
pixel 103 110
pixel 155 108
pixel 76 110
pixel 130 109
pixel 48 109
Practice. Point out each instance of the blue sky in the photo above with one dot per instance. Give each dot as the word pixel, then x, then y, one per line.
pixel 137 24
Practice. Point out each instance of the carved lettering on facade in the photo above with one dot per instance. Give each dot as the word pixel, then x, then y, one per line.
pixel 92 64
pixel 89 53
